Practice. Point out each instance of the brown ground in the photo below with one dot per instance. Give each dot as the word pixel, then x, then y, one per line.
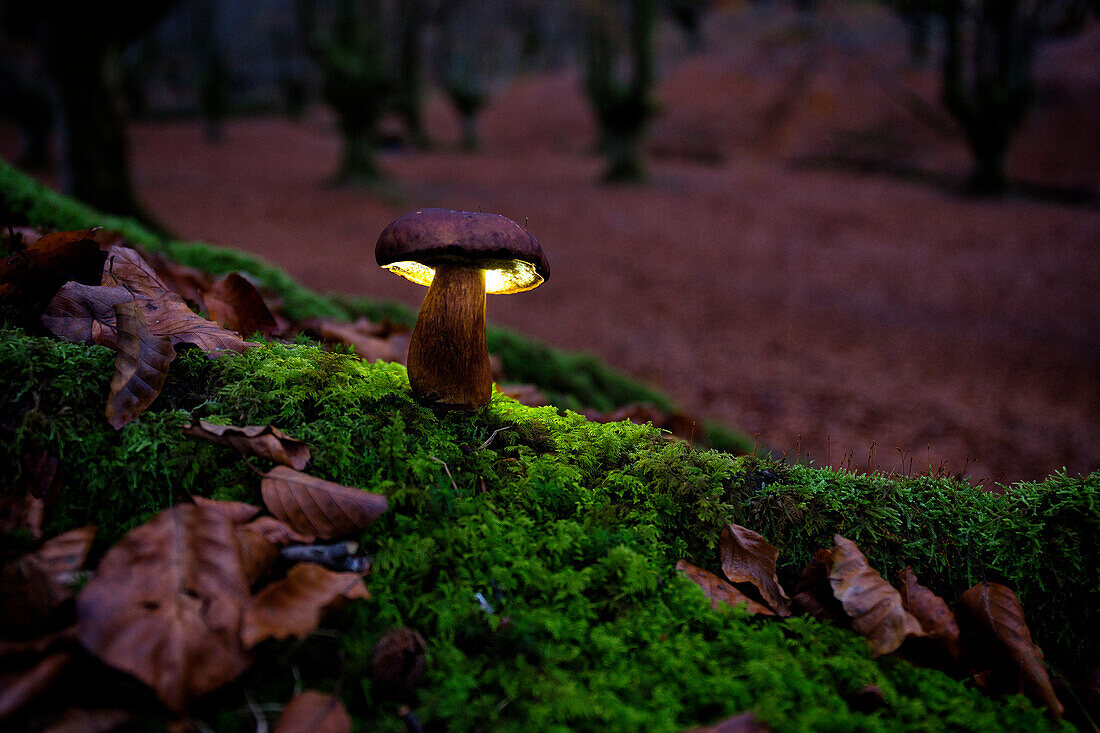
pixel 856 318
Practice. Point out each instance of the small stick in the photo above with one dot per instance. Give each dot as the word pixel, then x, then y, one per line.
pixel 443 463
pixel 339 556
pixel 490 438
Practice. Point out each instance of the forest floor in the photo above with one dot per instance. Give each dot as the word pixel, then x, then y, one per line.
pixel 801 263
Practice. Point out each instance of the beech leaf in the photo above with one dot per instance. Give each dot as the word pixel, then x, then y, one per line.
pixel 264 441
pixel 85 313
pixel 164 605
pixel 748 558
pixel 936 619
pixel 873 604
pixel 314 712
pixel 321 508
pixel 719 591
pixel 999 617
pixel 235 303
pixel 165 311
pixel 141 366
pixel 363 335
pixel 294 606
pixel 51 260
pixel 237 511
pixel 260 541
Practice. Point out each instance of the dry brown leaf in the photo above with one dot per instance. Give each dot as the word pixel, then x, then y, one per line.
pixel 813 594
pixel 932 613
pixel 42 267
pixel 37 584
pixel 141 366
pixel 85 313
pixel 235 303
pixel 258 554
pixel 322 508
pixel 314 712
pixel 742 723
pixel 279 533
pixel 362 335
pixel 397 662
pixel 186 281
pixel 998 618
pixel 264 441
pixel 294 606
pixel 165 602
pixel 719 591
pixel 165 311
pixel 17 690
pixel 237 511
pixel 873 604
pixel 748 558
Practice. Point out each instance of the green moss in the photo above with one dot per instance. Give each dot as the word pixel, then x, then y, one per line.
pixel 569 530
pixel 570 381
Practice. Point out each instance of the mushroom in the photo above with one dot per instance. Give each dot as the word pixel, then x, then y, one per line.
pixel 461 255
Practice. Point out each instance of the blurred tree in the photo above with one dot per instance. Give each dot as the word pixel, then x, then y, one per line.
pixel 688 14
pixel 82 44
pixel 357 76
pixel 989 71
pixel 988 67
pixel 411 19
pixel 466 61
pixel 623 106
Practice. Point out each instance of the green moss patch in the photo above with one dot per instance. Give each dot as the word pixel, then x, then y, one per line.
pixel 569 531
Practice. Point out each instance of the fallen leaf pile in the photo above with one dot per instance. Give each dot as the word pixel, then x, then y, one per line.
pixel 840 587
pixel 181 602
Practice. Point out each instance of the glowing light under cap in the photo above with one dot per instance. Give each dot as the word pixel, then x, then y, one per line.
pixel 516 277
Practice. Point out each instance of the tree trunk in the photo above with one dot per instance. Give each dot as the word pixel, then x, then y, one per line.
pixel 359 163
pixel 95 156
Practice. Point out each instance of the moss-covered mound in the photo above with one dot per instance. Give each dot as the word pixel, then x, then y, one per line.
pixel 568 531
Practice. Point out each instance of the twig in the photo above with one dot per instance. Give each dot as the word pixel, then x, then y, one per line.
pixel 491 436
pixel 442 463
pixel 261 721
pixel 339 556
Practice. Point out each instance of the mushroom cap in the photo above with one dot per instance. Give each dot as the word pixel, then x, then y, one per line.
pixel 414 244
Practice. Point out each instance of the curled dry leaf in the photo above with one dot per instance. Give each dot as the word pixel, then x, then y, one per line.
pixel 363 335
pixel 748 558
pixel 936 620
pixel 719 591
pixel 873 604
pixel 397 662
pixel 294 606
pixel 322 508
pixel 813 595
pixel 998 617
pixel 19 689
pixel 141 366
pixel 236 511
pixel 235 303
pixel 263 441
pixel 187 281
pixel 43 266
pixel 314 712
pixel 85 313
pixel 164 605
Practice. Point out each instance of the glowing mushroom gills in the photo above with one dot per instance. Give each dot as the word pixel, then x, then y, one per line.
pixel 460 256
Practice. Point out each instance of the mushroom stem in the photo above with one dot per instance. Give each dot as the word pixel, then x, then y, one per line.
pixel 448 360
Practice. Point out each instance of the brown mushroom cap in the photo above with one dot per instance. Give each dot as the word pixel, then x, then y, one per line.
pixel 415 243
